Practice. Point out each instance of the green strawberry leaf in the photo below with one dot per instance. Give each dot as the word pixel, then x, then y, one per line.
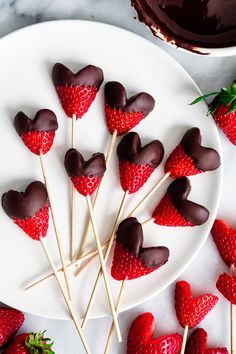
pixel 201 98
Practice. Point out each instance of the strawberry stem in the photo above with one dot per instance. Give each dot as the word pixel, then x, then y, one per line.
pixel 37 344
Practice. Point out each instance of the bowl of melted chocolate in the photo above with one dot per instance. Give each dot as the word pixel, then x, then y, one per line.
pixel 201 26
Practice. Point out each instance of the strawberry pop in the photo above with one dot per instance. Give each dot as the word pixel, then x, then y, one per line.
pixel 140 338
pixel 187 159
pixel 197 344
pixel 29 210
pixel 190 310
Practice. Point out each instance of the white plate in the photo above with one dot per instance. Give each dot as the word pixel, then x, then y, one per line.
pixel 26 61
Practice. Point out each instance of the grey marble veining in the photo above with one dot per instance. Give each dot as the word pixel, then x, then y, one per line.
pixel 210 74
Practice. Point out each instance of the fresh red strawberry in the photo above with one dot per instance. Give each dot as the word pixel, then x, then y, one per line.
pixel 223 109
pixel 29 209
pixel 226 284
pixel 37 134
pixel 141 341
pixel 35 226
pixel 76 91
pixel 123 114
pixel 225 239
pixel 136 163
pixel 133 177
pixel 85 175
pixel 10 322
pixel 197 344
pixel 176 210
pixel 190 157
pixel 191 311
pixel 86 185
pixel 30 343
pixel 130 259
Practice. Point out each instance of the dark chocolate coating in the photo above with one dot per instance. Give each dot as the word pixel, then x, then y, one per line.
pixel 88 76
pixel 25 204
pixel 44 120
pixel 204 23
pixel 130 235
pixel 205 159
pixel 75 164
pixel 115 97
pixel 129 149
pixel 178 192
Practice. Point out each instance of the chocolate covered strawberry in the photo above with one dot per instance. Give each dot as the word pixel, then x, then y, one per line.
pixel 141 341
pixel 131 260
pixel 29 209
pixel 225 240
pixel 197 344
pixel 38 133
pixel 30 343
pixel 85 175
pixel 226 284
pixel 76 91
pixel 176 210
pixel 223 110
pixel 10 322
pixel 136 163
pixel 190 157
pixel 190 310
pixel 123 114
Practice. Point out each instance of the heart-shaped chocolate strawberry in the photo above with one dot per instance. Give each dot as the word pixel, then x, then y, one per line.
pixel 225 240
pixel 130 259
pixel 85 175
pixel 190 310
pixel 190 157
pixel 123 114
pixel 175 210
pixel 137 163
pixel 141 341
pixel 76 91
pixel 44 121
pixel 197 344
pixel 37 134
pixel 26 204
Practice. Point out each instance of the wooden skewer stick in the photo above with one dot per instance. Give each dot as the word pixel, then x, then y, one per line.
pixel 86 233
pixel 232 320
pixel 67 301
pixel 68 265
pixel 73 196
pixel 57 234
pixel 149 194
pixel 119 301
pixel 103 266
pixel 109 246
pixel 184 340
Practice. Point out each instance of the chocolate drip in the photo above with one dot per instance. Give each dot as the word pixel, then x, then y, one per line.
pixel 89 76
pixel 44 120
pixel 205 159
pixel 129 149
pixel 178 192
pixel 115 96
pixel 204 23
pixel 75 164
pixel 26 204
pixel 130 235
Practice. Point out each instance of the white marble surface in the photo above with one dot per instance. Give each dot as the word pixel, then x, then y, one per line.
pixel 210 74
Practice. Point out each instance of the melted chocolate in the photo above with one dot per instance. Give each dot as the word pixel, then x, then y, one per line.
pixel 115 97
pixel 129 149
pixel 178 192
pixel 130 235
pixel 76 165
pixel 204 23
pixel 89 76
pixel 44 120
pixel 26 204
pixel 205 159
